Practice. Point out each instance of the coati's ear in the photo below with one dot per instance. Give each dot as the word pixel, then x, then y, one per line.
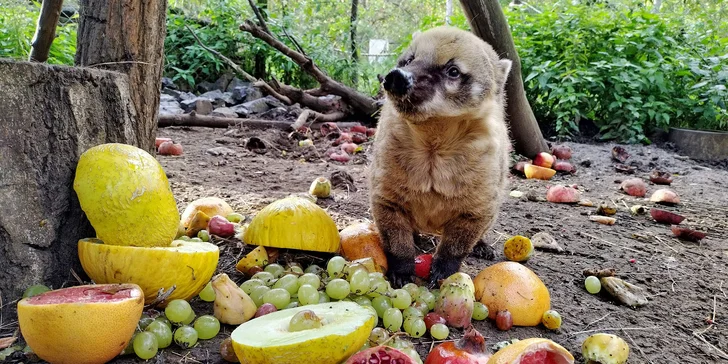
pixel 415 34
pixel 502 69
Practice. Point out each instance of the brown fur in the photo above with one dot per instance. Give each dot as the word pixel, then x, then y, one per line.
pixel 440 154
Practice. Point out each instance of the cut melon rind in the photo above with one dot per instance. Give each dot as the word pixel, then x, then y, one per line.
pixel 266 339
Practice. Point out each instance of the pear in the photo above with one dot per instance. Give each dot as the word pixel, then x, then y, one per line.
pixel 232 305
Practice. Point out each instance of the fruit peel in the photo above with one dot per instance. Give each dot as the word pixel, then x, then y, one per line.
pixel 211 206
pixel 258 257
pixel 362 240
pixel 533 171
pixel 513 353
pixel 232 305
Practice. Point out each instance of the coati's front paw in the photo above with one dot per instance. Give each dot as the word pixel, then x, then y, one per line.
pixel 483 251
pixel 400 272
pixel 441 269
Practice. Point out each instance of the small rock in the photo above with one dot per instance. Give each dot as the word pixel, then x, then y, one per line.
pixel 516 194
pixel 228 98
pixel 625 292
pixel 224 112
pixel 533 196
pixel 544 241
pixel 168 83
pixel 218 151
pixel 234 133
pixel 274 114
pixel 201 106
pixel 186 96
pixel 215 96
pixel 273 102
pixel 167 98
pixel 257 106
pixel 170 107
pixel 223 81
pixel 205 86
pixel 586 163
pixel 240 111
pixel 342 180
pixel 239 94
pixel 236 82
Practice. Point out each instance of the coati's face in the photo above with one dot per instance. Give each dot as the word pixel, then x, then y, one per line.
pixel 446 72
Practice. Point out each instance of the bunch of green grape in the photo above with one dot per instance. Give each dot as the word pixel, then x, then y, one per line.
pixel 178 323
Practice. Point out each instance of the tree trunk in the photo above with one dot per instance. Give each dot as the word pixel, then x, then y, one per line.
pixel 127 36
pixel 487 20
pixel 49 115
pixel 352 36
pixel 45 30
pixel 448 12
pixel 656 6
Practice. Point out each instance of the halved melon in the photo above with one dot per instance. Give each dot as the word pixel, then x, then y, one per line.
pixel 266 339
pixel 211 206
pixel 512 286
pixel 81 325
pixel 532 351
pixel 186 265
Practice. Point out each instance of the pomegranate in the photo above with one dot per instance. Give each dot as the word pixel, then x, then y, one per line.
pixel 470 349
pixel 381 355
pixel 422 265
pixel 434 318
pixel 359 138
pixel 358 129
pixel 328 128
pixel 343 138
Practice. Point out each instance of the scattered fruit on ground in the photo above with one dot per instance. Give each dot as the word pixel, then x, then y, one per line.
pixel 480 311
pixel 88 324
pixel 235 217
pixel 177 311
pixel 162 332
pixel 346 327
pixel 207 327
pixel 620 154
pixel 211 206
pixel 170 148
pixel 520 166
pixel 666 217
pixel 605 349
pixel 665 196
pixel 518 248
pixel 564 166
pixel 257 258
pixel 563 194
pixel 512 286
pixel 185 337
pixel 536 172
pixel 503 320
pixel 228 352
pixel 561 152
pixel 35 290
pixel 126 196
pixel 145 345
pixel 687 234
pixel 551 320
pixel 592 284
pixel 544 160
pixel 294 223
pixel 470 349
pixel 221 226
pixel 439 331
pixel 660 177
pixel 186 265
pixel 199 222
pixel 159 141
pixel 380 355
pixel 320 187
pixel 232 305
pixel 634 187
pixel 604 220
pixel 456 300
pixel 423 263
pixel 207 294
pixel 362 240
pixel 532 351
pixel 606 210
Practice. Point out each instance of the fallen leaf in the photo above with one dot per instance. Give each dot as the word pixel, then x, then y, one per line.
pixel 660 177
pixel 7 341
pixel 625 292
pixel 687 234
pixel 620 154
pixel 666 217
pixel 544 241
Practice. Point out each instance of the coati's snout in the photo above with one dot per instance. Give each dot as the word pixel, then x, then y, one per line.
pixel 398 82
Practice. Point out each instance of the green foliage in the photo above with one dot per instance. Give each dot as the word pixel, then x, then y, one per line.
pixel 628 70
pixel 17 26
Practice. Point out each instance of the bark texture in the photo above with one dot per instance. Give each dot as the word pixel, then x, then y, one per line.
pixel 487 21
pixel 45 30
pixel 127 36
pixel 49 115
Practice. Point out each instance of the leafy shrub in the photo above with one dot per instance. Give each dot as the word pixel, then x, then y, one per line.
pixel 629 71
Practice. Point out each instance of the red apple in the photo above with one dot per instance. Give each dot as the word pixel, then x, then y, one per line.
pixel 170 148
pixel 543 159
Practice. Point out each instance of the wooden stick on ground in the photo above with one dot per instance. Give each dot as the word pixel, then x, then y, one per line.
pixel 208 121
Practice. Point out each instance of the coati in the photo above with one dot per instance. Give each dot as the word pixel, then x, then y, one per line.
pixel 440 154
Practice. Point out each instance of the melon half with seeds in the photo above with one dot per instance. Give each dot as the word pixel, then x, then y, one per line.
pixel 267 339
pixel 81 325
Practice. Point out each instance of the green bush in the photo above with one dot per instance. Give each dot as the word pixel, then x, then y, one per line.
pixel 629 71
pixel 17 27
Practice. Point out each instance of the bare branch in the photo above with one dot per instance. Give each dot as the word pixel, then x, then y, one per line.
pixel 45 30
pixel 166 120
pixel 258 15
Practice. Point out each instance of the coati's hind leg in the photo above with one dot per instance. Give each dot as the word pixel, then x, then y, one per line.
pixel 483 251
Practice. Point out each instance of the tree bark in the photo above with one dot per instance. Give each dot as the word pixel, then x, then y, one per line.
pixel 487 20
pixel 656 6
pixel 127 36
pixel 49 115
pixel 45 30
pixel 352 36
pixel 448 12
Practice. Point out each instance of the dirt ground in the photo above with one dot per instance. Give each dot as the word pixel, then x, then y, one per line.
pixel 684 280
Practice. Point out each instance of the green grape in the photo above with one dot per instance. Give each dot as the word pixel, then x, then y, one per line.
pixel 144 321
pixel 35 290
pixel 338 289
pixel 417 327
pixel 163 320
pixel 189 319
pixel 304 320
pixel 207 294
pixel 480 311
pixel 185 337
pixel 401 299
pixel 359 282
pixel 310 279
pixel 378 336
pixel 422 307
pixel 145 345
pixel 392 319
pixel 377 275
pixel 289 282
pixel 248 285
pixel 267 277
pixel 407 324
pixel 423 289
pixel 162 332
pixel 428 298
pixel 257 294
pixel 308 295
pixel 178 310
pixel 436 292
pixel 207 327
pixel 293 304
pixel 381 304
pixel 314 269
pixel 196 240
pixel 235 217
pixel 184 238
pixel 413 290
pixel 592 285
pixel 204 235
pixel 324 298
pixel 279 297
pixel 439 331
pixel 363 301
pixel 378 288
pixel 295 270
pixel 412 312
pixel 275 269
pixel 351 268
pixel 335 267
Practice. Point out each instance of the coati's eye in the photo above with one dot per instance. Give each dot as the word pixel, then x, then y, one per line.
pixel 453 72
